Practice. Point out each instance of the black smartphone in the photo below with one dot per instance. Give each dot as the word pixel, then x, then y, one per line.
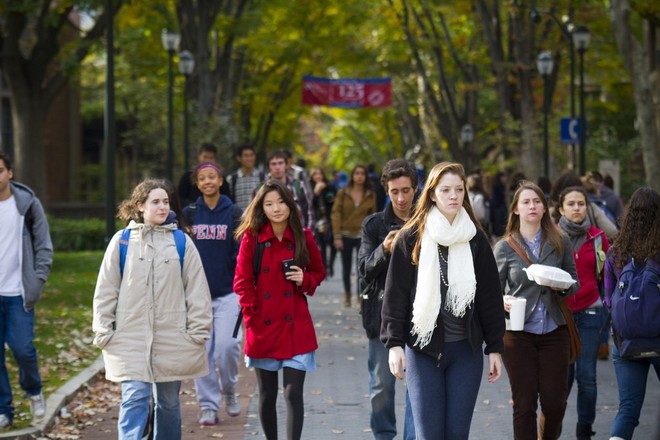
pixel 286 265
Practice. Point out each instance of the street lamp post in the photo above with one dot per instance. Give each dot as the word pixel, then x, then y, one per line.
pixel 467 136
pixel 170 41
pixel 186 66
pixel 581 39
pixel 544 64
pixel 566 26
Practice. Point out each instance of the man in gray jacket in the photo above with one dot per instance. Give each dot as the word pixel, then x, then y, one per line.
pixel 26 255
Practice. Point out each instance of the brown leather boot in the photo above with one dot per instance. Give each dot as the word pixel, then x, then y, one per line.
pixel 347 299
pixel 604 351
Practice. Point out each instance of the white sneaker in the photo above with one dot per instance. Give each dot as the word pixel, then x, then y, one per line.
pixel 208 417
pixel 232 405
pixel 38 406
pixel 4 421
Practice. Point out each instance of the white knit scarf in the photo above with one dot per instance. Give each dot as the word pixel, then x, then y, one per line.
pixel 460 271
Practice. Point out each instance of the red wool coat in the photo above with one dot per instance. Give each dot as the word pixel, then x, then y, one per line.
pixel 277 320
pixel 585 263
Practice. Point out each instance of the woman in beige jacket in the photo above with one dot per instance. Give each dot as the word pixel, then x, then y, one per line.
pixel 352 205
pixel 152 314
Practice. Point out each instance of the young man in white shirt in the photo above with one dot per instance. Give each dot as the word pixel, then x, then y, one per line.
pixel 25 261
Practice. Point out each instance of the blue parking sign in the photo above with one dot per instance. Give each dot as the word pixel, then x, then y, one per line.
pixel 570 130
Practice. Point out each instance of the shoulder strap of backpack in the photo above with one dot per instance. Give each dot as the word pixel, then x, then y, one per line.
pixel 233 177
pixel 256 268
pixel 180 242
pixel 258 256
pixel 123 248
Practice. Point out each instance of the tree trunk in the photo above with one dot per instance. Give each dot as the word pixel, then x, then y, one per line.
pixel 645 78
pixel 28 117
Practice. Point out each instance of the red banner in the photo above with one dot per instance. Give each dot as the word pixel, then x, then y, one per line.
pixel 348 93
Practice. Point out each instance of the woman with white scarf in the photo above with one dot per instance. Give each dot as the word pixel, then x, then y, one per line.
pixel 442 302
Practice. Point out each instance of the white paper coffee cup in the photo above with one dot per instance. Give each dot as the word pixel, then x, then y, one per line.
pixel 517 313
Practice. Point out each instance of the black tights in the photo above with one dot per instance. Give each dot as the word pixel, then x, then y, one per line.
pixel 293 394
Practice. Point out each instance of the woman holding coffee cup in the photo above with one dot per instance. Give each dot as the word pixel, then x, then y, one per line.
pixel 288 266
pixel 536 358
pixel 589 246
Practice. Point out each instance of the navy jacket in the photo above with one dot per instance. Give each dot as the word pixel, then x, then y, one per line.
pixel 213 233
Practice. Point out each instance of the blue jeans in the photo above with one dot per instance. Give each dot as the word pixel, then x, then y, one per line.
pixel 589 323
pixel 631 378
pixel 134 410
pixel 381 394
pixel 443 394
pixel 17 331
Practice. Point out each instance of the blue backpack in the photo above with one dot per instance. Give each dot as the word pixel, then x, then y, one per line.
pixel 635 310
pixel 179 240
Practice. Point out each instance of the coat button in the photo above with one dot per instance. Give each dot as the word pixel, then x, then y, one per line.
pixel 266 270
pixel 289 247
pixel 267 322
pixel 266 295
pixel 267 244
pixel 288 318
pixel 287 293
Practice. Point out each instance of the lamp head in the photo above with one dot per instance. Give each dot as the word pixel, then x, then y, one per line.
pixel 170 40
pixel 581 37
pixel 545 63
pixel 535 15
pixel 467 133
pixel 186 63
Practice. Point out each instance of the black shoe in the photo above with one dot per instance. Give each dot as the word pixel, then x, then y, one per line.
pixel 584 432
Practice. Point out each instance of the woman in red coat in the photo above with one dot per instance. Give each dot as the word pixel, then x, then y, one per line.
pixel 279 329
pixel 589 248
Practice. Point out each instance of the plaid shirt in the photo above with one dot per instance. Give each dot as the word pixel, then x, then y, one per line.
pixel 244 186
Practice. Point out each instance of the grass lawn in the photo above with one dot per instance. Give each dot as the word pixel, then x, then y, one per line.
pixel 63 327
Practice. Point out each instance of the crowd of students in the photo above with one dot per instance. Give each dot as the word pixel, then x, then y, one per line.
pixel 168 306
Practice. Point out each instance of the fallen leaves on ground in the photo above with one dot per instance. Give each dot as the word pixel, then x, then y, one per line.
pixel 87 407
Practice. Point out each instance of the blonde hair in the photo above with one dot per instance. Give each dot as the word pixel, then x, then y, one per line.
pixel 424 204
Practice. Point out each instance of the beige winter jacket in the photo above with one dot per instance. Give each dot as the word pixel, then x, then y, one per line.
pixel 152 324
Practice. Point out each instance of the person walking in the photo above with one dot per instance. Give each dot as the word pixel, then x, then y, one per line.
pixel 278 265
pixel 379 230
pixel 324 197
pixel 589 246
pixel 441 303
pixel 26 256
pixel 187 190
pixel 213 219
pixel 536 358
pixel 638 243
pixel 151 313
pixel 352 205
pixel 246 179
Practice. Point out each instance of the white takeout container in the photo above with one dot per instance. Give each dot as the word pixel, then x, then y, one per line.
pixel 549 276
